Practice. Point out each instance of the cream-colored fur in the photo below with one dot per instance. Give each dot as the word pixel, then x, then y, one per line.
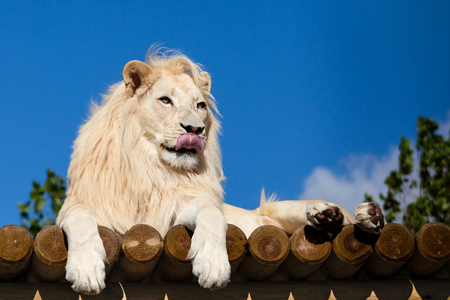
pixel 287 214
pixel 150 154
pixel 124 170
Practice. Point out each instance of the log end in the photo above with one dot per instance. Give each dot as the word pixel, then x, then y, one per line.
pixel 310 245
pixel 269 245
pixel 16 244
pixel 111 243
pixel 50 246
pixel 396 243
pixel 177 243
pixel 142 244
pixel 350 249
pixel 237 243
pixel 433 241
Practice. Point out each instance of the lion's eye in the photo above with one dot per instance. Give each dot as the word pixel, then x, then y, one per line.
pixel 201 105
pixel 165 100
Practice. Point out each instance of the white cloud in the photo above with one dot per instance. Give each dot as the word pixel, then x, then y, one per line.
pixel 362 174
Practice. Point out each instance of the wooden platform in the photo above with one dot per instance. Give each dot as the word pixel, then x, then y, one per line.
pixel 310 264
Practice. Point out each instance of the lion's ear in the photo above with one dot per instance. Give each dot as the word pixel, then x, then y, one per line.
pixel 134 75
pixel 204 81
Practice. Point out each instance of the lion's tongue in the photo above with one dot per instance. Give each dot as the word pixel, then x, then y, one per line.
pixel 189 141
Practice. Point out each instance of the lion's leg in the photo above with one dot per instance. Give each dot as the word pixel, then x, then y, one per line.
pixel 208 247
pixel 322 215
pixel 247 220
pixel 318 213
pixel 288 215
pixel 85 266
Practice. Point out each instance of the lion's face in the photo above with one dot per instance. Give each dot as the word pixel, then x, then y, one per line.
pixel 175 119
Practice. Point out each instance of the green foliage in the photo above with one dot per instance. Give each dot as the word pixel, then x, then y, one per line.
pixel 44 203
pixel 427 200
pixel 368 198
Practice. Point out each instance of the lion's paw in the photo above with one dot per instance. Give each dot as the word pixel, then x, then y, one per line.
pixel 85 267
pixel 324 216
pixel 212 269
pixel 369 217
pixel 209 262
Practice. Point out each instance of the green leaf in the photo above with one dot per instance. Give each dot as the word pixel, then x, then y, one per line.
pixel 405 157
pixel 44 204
pixel 428 198
pixel 368 198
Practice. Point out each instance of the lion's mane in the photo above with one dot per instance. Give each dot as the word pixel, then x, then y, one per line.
pixel 120 178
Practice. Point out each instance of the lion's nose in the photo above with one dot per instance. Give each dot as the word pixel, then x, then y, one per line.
pixel 192 129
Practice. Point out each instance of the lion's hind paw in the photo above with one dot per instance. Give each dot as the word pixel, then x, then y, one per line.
pixel 369 217
pixel 324 216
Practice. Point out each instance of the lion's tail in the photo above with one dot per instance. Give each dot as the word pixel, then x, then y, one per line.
pixel 264 205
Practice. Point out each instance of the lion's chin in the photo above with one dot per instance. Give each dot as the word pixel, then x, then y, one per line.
pixel 184 159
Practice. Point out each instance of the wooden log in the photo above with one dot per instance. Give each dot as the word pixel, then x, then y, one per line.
pixel 113 246
pixel 142 246
pixel 16 247
pixel 268 248
pixel 349 253
pixel 237 246
pixel 50 254
pixel 174 264
pixel 393 249
pixel 310 247
pixel 432 249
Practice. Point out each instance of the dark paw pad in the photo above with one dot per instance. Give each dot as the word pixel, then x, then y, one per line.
pixel 377 216
pixel 330 218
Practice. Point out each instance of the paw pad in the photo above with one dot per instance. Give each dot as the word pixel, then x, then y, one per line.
pixel 377 217
pixel 329 219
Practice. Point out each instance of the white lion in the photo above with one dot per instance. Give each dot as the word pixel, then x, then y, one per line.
pixel 150 154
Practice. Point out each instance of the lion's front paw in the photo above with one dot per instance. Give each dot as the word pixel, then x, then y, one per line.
pixel 212 268
pixel 369 217
pixel 324 216
pixel 209 260
pixel 86 268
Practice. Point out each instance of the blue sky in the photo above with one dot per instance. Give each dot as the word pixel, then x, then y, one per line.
pixel 314 95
